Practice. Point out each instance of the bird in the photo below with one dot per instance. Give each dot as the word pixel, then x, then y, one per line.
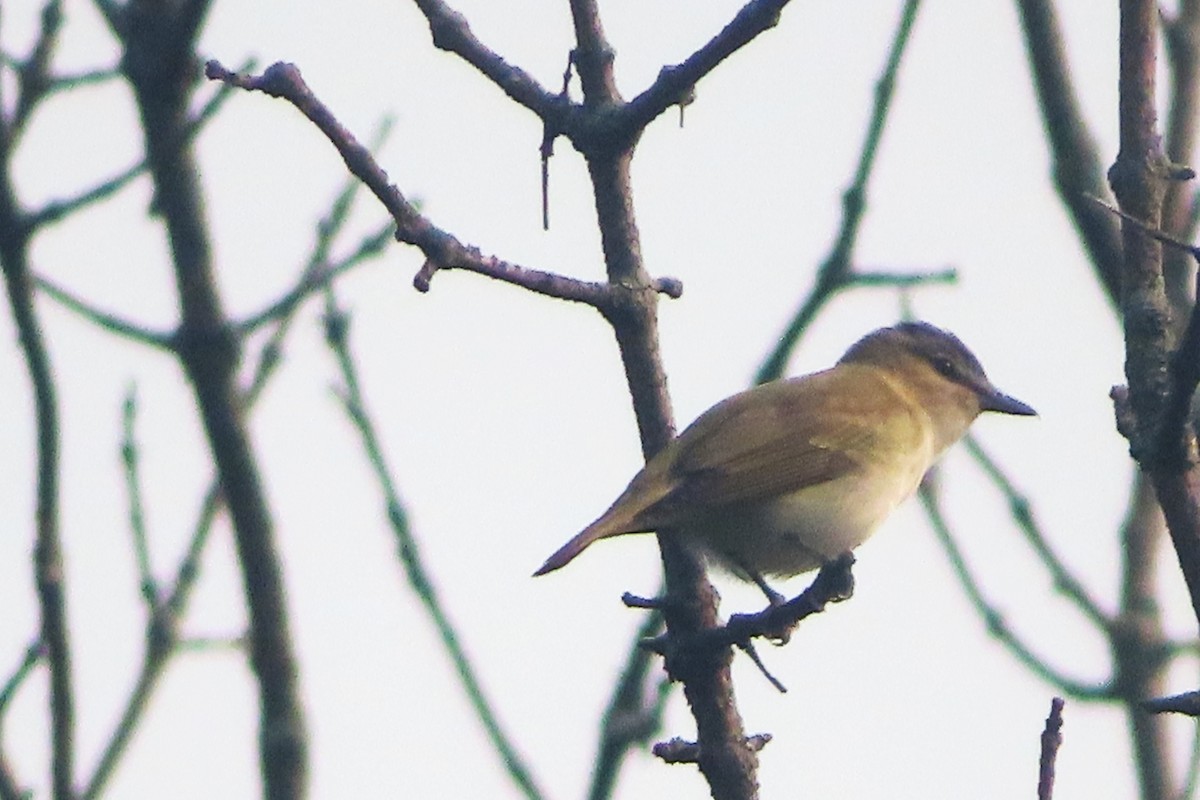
pixel 787 476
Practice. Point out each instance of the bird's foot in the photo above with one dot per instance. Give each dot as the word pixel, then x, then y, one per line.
pixel 835 581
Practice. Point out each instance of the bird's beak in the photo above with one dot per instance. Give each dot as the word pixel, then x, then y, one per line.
pixel 996 400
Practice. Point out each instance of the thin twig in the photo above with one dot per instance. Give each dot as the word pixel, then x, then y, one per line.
pixel 996 626
pixel 33 74
pixel 835 272
pixel 317 277
pixel 903 280
pixel 133 489
pixel 353 403
pixel 109 322
pixel 10 788
pixel 633 715
pixel 57 210
pixel 1021 512
pixel 69 81
pixel 161 633
pixel 407 548
pixel 1193 768
pixel 205 644
pixel 31 658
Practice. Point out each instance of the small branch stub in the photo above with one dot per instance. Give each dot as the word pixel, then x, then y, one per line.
pixel 681 751
pixel 1051 741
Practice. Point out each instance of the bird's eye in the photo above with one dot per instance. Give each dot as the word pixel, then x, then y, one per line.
pixel 945 367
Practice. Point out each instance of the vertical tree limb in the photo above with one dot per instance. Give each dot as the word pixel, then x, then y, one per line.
pixel 159 61
pixel 1139 179
pixel 728 764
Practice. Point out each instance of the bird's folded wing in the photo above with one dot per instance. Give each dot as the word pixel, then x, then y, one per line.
pixel 806 433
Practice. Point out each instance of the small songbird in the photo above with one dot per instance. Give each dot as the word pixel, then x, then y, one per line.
pixel 785 477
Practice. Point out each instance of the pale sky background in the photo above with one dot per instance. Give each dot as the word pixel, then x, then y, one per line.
pixel 507 421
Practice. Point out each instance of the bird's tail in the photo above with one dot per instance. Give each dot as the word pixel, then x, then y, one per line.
pixel 633 512
pixel 608 525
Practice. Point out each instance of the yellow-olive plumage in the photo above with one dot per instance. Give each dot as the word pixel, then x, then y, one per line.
pixel 781 478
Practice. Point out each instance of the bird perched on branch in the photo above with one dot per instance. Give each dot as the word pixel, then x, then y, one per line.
pixel 785 477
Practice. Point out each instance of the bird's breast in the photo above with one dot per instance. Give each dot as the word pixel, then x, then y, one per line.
pixel 802 530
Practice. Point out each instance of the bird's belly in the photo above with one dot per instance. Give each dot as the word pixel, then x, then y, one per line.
pixel 799 532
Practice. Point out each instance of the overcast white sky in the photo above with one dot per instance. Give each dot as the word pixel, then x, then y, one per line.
pixel 506 418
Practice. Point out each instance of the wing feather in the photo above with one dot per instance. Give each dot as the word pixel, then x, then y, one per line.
pixel 781 437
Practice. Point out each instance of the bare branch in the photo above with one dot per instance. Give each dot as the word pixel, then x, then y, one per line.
pixel 1138 178
pixel 161 632
pixel 676 83
pixel 442 250
pixel 593 293
pixel 451 33
pixel 727 764
pixel 1169 453
pixel 1078 168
